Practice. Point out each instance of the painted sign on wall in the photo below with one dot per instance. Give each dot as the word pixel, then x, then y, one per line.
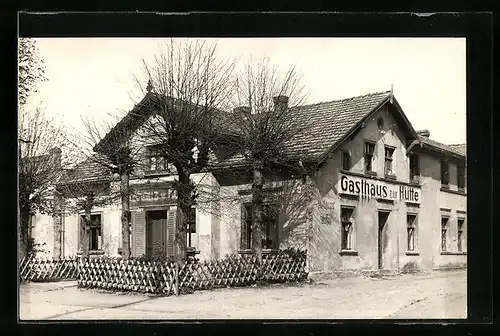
pixel 369 188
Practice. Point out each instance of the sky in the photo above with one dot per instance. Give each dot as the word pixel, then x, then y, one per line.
pixel 93 77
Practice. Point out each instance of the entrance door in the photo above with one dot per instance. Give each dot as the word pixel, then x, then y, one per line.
pixel 156 233
pixel 382 236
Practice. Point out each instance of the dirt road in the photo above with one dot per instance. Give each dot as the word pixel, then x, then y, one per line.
pixel 434 295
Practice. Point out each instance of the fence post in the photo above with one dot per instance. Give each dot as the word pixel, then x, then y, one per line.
pixel 177 278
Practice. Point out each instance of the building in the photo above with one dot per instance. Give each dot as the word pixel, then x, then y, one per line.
pixel 380 196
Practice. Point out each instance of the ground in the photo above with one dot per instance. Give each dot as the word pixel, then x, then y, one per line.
pixel 440 294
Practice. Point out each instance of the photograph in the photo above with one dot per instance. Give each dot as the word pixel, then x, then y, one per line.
pixel 218 178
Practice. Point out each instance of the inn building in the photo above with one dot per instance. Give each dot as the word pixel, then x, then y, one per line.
pixel 382 196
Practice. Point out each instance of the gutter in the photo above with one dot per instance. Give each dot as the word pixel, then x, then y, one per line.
pixel 413 144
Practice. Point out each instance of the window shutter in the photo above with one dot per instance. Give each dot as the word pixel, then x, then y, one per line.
pixel 138 233
pixel 243 243
pixel 171 233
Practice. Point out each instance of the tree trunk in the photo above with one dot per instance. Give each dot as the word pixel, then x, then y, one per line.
pixel 257 200
pixel 184 201
pixel 125 198
pixel 85 233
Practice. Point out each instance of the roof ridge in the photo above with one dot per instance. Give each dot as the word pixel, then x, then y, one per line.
pixel 345 99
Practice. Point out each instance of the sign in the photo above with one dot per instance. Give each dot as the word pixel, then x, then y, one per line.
pixel 153 196
pixel 369 188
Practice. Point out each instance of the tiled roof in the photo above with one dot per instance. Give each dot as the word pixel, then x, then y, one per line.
pixel 325 124
pixel 86 171
pixel 455 149
pixel 461 148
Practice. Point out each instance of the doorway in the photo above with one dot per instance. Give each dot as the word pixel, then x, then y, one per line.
pixel 382 236
pixel 156 233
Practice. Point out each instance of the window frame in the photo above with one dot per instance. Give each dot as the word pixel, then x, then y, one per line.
pixel 346 160
pixel 153 156
pixel 247 225
pixel 388 161
pixel 461 177
pixel 444 233
pixel 347 236
pixel 460 231
pixel 191 224
pixel 445 174
pixel 92 228
pixel 414 169
pixel 413 226
pixel 367 155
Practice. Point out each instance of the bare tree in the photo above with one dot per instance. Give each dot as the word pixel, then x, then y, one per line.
pixel 31 69
pixel 188 85
pixel 41 156
pixel 78 195
pixel 111 146
pixel 266 121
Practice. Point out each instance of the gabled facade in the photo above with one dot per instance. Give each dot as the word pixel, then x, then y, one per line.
pixel 380 195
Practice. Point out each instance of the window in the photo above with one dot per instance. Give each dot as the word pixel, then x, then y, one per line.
pixel 369 151
pixel 346 160
pixel 461 177
pixel 460 233
pixel 414 168
pixel 347 228
pixel 31 225
pixel 95 235
pixel 411 222
pixel 389 151
pixel 156 162
pixel 380 123
pixel 445 176
pixel 191 226
pixel 269 227
pixel 444 233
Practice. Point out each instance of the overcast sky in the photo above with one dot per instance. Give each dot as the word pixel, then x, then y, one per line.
pixel 92 76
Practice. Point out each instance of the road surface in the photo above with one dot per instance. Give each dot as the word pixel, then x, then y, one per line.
pixel 440 294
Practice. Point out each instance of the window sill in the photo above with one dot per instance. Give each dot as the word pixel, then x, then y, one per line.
pixel 390 177
pixel 415 182
pixel 453 253
pixel 371 173
pixel 348 253
pixel 457 192
pixel 412 253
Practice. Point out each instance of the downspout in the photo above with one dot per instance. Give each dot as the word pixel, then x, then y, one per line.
pixel 397 243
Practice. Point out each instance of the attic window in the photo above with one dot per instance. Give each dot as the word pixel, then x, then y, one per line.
pixel 380 123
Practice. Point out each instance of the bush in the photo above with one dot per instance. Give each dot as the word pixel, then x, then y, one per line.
pixel 410 267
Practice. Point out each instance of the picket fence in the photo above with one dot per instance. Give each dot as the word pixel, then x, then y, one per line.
pixel 169 278
pixel 36 269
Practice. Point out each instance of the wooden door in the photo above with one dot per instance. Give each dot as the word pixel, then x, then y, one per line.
pixel 382 237
pixel 156 235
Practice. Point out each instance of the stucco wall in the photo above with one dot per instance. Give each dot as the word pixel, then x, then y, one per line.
pixel 43 234
pixel 325 251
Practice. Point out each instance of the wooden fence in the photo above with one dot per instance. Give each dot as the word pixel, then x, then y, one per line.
pixel 35 269
pixel 168 278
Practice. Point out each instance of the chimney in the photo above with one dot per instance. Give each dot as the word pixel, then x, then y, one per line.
pixel 280 103
pixel 425 133
pixel 56 154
